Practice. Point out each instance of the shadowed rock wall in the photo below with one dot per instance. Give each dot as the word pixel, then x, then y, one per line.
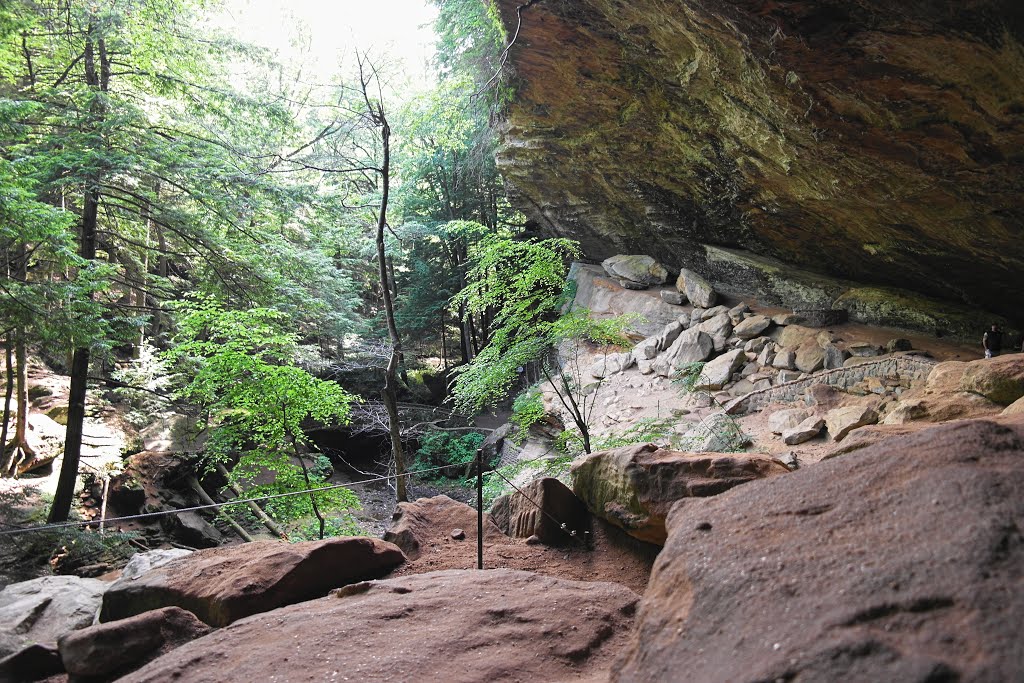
pixel 880 141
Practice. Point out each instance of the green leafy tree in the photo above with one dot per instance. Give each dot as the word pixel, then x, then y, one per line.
pixel 450 194
pixel 238 365
pixel 126 118
pixel 521 284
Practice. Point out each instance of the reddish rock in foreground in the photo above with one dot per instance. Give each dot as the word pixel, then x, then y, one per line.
pixel 452 626
pixel 105 650
pixel 220 585
pixel 904 562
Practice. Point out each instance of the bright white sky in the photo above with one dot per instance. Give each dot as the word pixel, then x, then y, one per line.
pixel 400 29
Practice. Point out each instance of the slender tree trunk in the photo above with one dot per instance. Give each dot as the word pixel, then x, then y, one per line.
pixel 161 270
pixel 273 526
pixel 465 344
pixel 444 345
pixel 207 500
pixel 21 452
pixel 140 296
pixel 476 346
pixel 21 424
pixel 87 250
pixel 309 485
pixel 5 461
pixel 390 391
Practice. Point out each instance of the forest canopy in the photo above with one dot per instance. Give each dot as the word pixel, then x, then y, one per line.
pixel 159 177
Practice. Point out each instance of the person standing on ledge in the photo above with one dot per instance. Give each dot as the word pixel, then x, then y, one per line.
pixel 992 341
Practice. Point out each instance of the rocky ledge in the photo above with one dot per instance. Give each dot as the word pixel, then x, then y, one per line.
pixel 876 142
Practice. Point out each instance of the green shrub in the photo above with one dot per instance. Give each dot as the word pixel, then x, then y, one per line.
pixel 527 410
pixel 343 525
pixel 688 375
pixel 443 448
pixel 649 429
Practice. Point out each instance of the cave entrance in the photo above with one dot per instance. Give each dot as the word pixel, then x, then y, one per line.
pixel 356 458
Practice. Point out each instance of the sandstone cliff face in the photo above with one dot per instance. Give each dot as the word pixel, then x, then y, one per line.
pixel 878 141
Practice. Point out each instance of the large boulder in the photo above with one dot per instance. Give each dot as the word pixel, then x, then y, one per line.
pixel 221 585
pixel 191 529
pixel 610 364
pixel 842 421
pixel 835 356
pixel 500 445
pixel 603 297
pixel 649 348
pixel 1000 379
pixel 1015 408
pixel 691 346
pixel 43 609
pixel 870 435
pixel 544 508
pixel 173 433
pixel 787 418
pixel 638 268
pixel 415 524
pixel 456 625
pixel 109 650
pixel 792 336
pixel 717 373
pixel 810 357
pixel 698 290
pixel 805 431
pixel 633 487
pixel 717 433
pixel 140 563
pixel 752 327
pixel 943 396
pixel 901 563
pixel 34 662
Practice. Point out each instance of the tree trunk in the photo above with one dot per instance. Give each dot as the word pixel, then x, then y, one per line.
pixel 5 461
pixel 207 500
pixel 273 526
pixel 20 451
pixel 465 344
pixel 140 295
pixel 87 250
pixel 444 345
pixel 390 391
pixel 309 485
pixel 23 452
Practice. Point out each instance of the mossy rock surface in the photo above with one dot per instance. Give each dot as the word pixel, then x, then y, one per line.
pixel 1000 379
pixel 58 414
pixel 794 131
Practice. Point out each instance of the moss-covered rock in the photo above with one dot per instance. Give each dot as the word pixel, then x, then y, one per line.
pixel 1000 379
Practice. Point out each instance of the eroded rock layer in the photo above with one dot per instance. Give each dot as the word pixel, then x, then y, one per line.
pixel 881 141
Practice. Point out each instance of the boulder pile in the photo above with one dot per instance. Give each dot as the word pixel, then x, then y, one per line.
pixel 739 359
pixel 166 598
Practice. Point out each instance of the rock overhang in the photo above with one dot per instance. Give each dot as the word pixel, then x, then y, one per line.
pixel 878 143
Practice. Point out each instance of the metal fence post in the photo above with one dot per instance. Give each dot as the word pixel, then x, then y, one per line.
pixel 479 508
